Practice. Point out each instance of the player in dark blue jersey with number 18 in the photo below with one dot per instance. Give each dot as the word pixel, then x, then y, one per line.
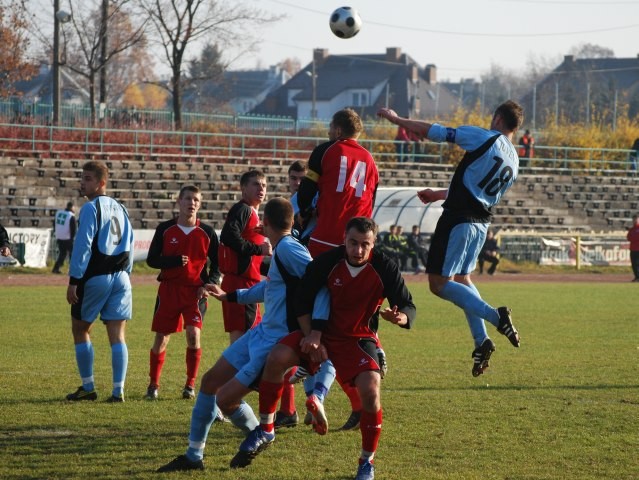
pixel 99 280
pixel 486 171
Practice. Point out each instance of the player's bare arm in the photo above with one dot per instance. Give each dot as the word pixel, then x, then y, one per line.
pixel 393 315
pixel 215 291
pixel 429 195
pixel 418 127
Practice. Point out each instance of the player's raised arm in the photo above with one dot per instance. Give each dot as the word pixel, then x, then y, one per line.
pixel 418 127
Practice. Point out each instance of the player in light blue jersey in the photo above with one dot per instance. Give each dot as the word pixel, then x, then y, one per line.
pixel 237 371
pixel 99 281
pixel 485 173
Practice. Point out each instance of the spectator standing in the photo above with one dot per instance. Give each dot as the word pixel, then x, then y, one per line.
pixel 488 253
pixel 487 170
pixel 633 238
pixel 5 245
pixel 526 148
pixel 99 282
pixel 181 247
pixel 634 156
pixel 402 144
pixel 65 228
pixel 242 248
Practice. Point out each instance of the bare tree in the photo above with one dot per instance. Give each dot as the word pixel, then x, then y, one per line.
pixel 177 24
pixel 14 38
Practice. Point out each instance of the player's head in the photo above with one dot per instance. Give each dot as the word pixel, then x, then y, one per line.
pixel 253 186
pixel 359 239
pixel 635 219
pixel 278 215
pixel 345 124
pixel 189 201
pixel 94 179
pixel 296 172
pixel 416 229
pixel 508 117
pixel 70 206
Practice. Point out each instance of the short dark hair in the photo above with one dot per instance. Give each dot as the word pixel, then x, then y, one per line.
pixel 298 166
pixel 188 188
pixel 362 225
pixel 279 213
pixel 512 113
pixel 349 122
pixel 248 176
pixel 98 168
pixel 69 205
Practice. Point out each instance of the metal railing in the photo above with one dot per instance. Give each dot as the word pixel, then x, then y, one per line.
pixel 275 145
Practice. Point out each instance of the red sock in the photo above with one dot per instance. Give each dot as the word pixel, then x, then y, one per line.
pixel 270 393
pixel 352 394
pixel 287 402
pixel 370 425
pixel 193 356
pixel 156 362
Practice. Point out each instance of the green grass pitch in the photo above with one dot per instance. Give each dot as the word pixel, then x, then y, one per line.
pixel 563 406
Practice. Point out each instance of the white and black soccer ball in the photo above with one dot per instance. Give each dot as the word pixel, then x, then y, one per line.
pixel 345 22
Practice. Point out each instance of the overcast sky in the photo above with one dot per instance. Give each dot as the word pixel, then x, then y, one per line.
pixel 461 37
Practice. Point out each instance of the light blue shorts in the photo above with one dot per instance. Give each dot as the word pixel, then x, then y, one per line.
pixel 464 244
pixel 107 295
pixel 248 355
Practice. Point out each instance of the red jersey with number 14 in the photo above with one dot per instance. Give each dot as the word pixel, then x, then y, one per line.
pixel 347 178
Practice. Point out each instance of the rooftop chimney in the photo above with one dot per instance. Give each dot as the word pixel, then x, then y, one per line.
pixel 320 55
pixel 393 54
pixel 430 72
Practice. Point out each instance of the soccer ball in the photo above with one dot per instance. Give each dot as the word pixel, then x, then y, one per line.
pixel 345 22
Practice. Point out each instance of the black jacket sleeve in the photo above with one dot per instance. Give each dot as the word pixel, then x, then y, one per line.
pixel 154 258
pixel 231 234
pixel 213 275
pixel 4 238
pixel 308 187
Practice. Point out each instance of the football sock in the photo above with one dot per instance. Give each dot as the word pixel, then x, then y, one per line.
pixel 467 299
pixel 202 416
pixel 476 324
pixel 352 394
pixel 84 358
pixel 287 400
pixel 371 427
pixel 244 418
pixel 324 379
pixel 156 362
pixel 193 356
pixel 119 363
pixel 269 395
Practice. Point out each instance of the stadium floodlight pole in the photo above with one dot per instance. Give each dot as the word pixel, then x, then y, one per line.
pixel 59 16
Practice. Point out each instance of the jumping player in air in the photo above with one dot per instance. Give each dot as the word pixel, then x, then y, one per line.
pixel 181 248
pixel 485 173
pixel 358 279
pixel 99 281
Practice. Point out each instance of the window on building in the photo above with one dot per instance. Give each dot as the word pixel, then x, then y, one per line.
pixel 360 99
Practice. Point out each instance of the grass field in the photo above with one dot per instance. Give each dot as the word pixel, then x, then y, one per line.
pixel 563 406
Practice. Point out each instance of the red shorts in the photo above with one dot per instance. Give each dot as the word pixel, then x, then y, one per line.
pixel 177 306
pixel 350 355
pixel 238 317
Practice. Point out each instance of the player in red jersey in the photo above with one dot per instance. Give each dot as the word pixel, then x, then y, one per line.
pixel 181 248
pixel 242 248
pixel 346 177
pixel 358 280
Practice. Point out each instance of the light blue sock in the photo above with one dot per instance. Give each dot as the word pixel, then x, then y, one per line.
pixel 119 363
pixel 309 384
pixel 244 418
pixel 476 324
pixel 84 358
pixel 324 379
pixel 204 412
pixel 467 299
